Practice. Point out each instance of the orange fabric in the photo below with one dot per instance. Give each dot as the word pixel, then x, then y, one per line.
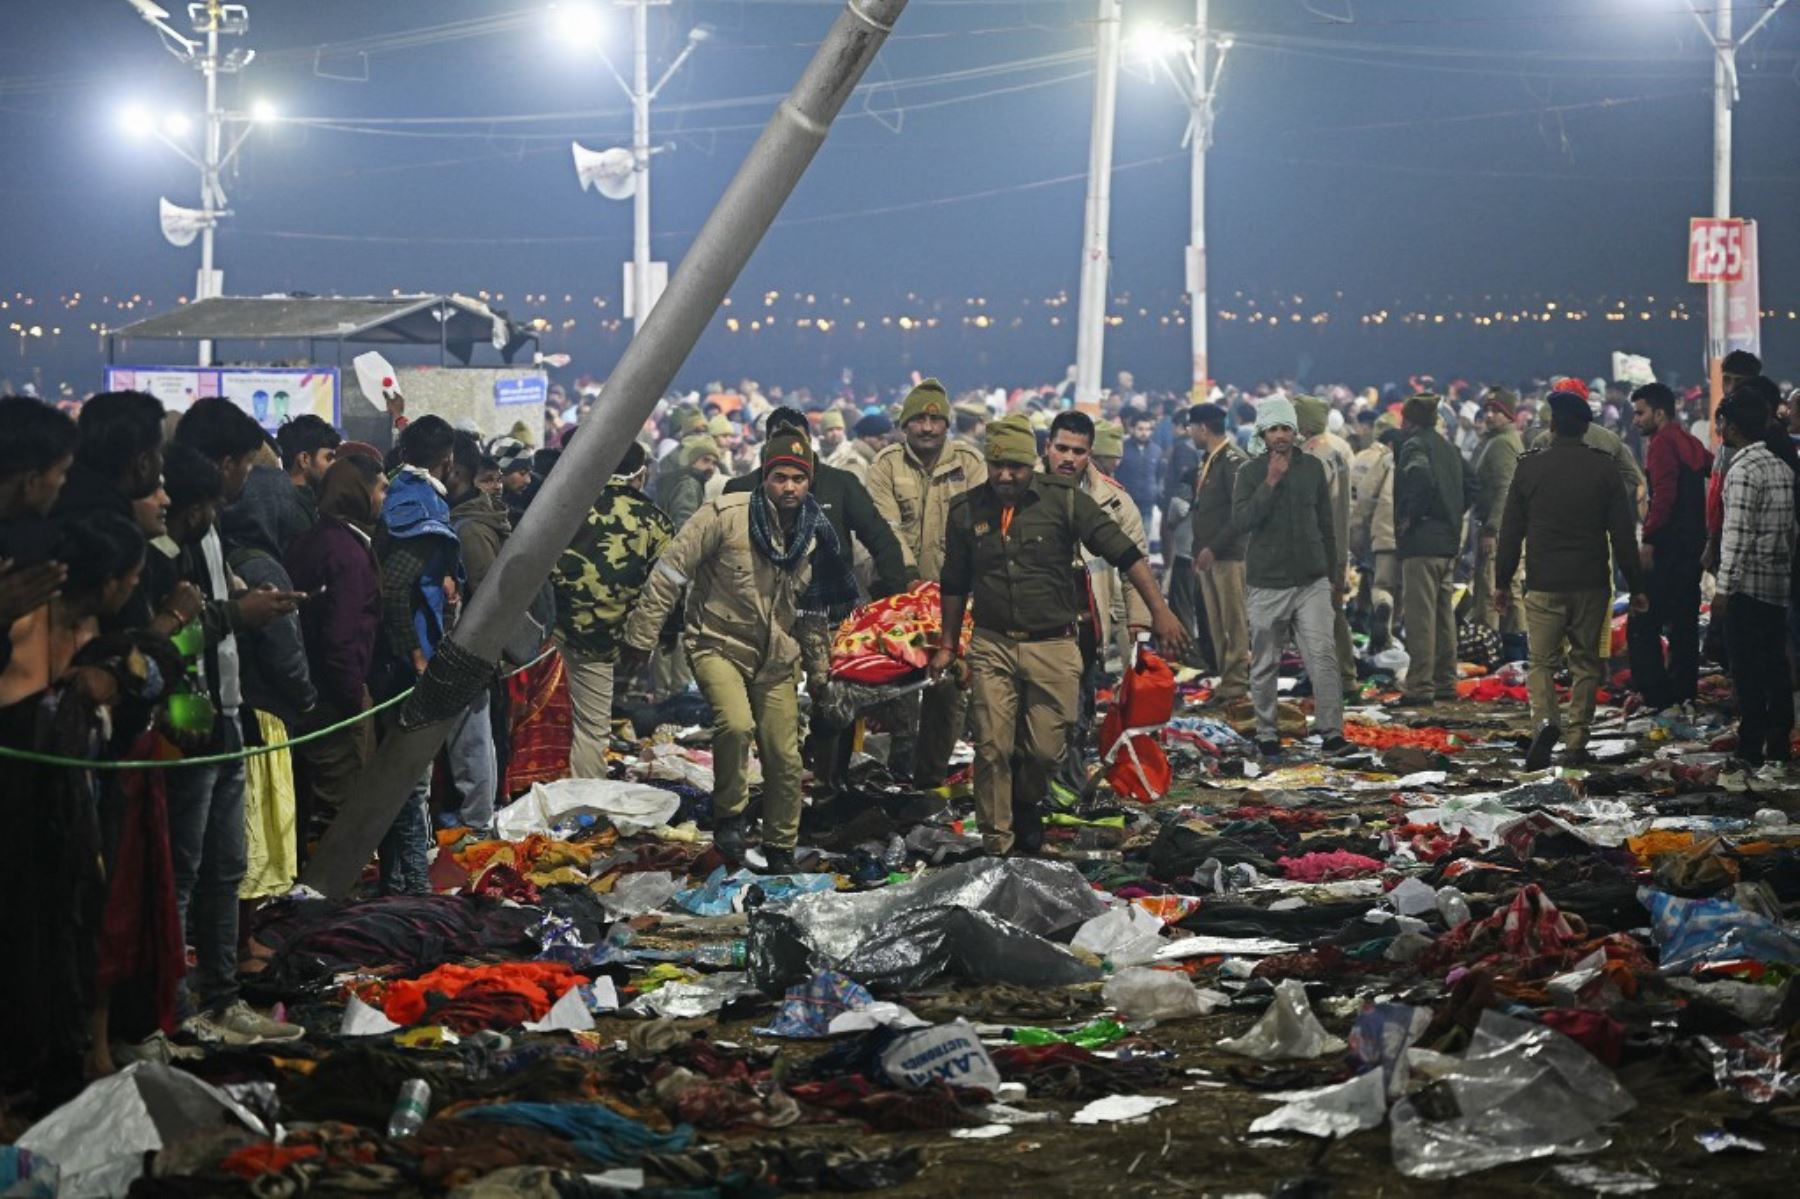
pixel 891 638
pixel 541 983
pixel 1146 700
pixel 1390 736
pixel 1006 515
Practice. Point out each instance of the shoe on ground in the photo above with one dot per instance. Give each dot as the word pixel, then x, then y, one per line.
pixel 779 861
pixel 1270 749
pixel 728 837
pixel 1542 743
pixel 1028 830
pixel 158 1048
pixel 1336 745
pixel 1423 703
pixel 1577 757
pixel 241 1024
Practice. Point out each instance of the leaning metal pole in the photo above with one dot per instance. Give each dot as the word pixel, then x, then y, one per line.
pixel 464 664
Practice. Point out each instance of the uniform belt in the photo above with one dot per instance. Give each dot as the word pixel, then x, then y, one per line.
pixel 1056 634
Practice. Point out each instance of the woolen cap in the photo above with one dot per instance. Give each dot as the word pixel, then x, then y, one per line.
pixel 927 399
pixel 696 446
pixel 1420 410
pixel 831 418
pixel 876 424
pixel 1010 439
pixel 1109 440
pixel 1313 414
pixel 788 448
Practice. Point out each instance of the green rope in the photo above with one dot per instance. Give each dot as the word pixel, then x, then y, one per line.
pixel 26 755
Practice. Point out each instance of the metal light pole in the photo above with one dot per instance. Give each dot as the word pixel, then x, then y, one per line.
pixel 211 18
pixel 1725 79
pixel 464 665
pixel 1090 335
pixel 640 159
pixel 1186 54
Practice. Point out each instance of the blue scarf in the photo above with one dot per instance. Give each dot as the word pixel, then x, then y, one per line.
pixel 832 593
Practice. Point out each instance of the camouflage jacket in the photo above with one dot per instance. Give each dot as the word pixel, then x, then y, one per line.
pixel 599 576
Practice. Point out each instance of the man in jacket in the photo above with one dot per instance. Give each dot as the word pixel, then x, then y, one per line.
pixel 1281 504
pixel 1431 493
pixel 421 582
pixel 1756 550
pixel 1565 509
pixel 1140 470
pixel 481 525
pixel 1372 529
pixel 839 451
pixel 1219 551
pixel 912 484
pixel 1335 455
pixel 308 447
pixel 754 565
pixel 1009 545
pixel 1673 537
pixel 1495 461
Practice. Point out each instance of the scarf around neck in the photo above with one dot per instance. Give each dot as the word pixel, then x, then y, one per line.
pixel 832 591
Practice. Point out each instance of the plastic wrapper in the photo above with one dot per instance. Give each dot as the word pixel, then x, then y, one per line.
pixel 1750 1064
pixel 1692 932
pixel 844 700
pixel 983 920
pixel 635 894
pixel 1143 997
pixel 685 1000
pixel 810 1007
pixel 98 1139
pixel 1334 1111
pixel 1116 1109
pixel 632 807
pixel 1381 1037
pixel 1522 1091
pixel 722 893
pixel 948 1053
pixel 1126 935
pixel 1287 1030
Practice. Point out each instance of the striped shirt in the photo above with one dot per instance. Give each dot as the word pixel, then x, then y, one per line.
pixel 1756 548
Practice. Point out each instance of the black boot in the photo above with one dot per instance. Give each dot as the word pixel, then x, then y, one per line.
pixel 728 837
pixel 1542 743
pixel 1028 829
pixel 780 861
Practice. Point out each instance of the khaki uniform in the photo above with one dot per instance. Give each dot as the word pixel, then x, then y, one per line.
pixel 1564 515
pixel 1024 661
pixel 746 646
pixel 1222 585
pixel 1494 465
pixel 916 502
pixel 852 456
pixel 1339 460
pixel 1372 523
pixel 1631 476
pixel 1112 595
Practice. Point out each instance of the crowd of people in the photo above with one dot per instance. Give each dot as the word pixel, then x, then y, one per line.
pixel 190 587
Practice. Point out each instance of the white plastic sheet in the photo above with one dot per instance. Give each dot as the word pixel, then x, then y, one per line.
pixel 1119 1108
pixel 632 807
pixel 98 1139
pixel 1127 935
pixel 1333 1111
pixel 1143 996
pixel 1287 1030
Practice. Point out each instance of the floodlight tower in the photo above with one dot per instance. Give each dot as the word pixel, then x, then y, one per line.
pixel 210 19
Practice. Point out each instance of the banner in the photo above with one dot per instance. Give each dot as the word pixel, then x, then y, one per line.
pixel 1743 301
pixel 272 395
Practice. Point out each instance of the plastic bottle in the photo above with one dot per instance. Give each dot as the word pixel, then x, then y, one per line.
pixel 1453 906
pixel 411 1108
pixel 722 955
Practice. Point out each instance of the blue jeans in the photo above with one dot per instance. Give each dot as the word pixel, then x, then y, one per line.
pixel 472 767
pixel 406 847
pixel 206 841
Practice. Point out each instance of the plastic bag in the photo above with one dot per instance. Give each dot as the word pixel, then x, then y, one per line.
pixel 951 1053
pixel 1125 935
pixel 1334 1111
pixel 1691 932
pixel 1522 1091
pixel 1750 1064
pixel 632 807
pixel 635 894
pixel 1287 1030
pixel 1143 996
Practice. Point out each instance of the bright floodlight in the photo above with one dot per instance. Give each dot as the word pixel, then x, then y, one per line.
pixel 577 25
pixel 1155 41
pixel 175 124
pixel 135 120
pixel 264 110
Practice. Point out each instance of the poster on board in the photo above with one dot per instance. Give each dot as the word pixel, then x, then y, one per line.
pixel 270 394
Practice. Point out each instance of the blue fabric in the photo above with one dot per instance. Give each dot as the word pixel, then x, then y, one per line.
pixel 1693 932
pixel 414 508
pixel 592 1129
pixel 807 1011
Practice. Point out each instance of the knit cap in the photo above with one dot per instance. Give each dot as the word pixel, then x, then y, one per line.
pixel 927 399
pixel 1011 440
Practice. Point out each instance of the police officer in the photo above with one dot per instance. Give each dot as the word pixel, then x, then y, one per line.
pixel 1009 545
pixel 1565 506
pixel 912 484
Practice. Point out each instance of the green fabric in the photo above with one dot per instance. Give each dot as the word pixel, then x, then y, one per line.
pixel 1494 465
pixel 1011 440
pixel 927 399
pixel 1313 414
pixel 598 578
pixel 1290 528
pixel 1023 581
pixel 1431 493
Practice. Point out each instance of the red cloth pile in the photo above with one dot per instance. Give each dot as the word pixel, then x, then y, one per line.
pixel 891 638
pixel 1392 736
pixel 499 995
pixel 1328 867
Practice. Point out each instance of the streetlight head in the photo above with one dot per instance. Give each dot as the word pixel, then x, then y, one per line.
pixel 577 25
pixel 149 11
pixel 175 124
pixel 1154 42
pixel 264 111
pixel 1226 43
pixel 135 120
pixel 700 33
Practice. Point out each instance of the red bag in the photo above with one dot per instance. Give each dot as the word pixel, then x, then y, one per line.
pixel 1137 766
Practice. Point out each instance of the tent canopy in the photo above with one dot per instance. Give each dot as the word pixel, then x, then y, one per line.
pixel 457 322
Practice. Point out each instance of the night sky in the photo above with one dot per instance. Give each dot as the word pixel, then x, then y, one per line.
pixel 1414 156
